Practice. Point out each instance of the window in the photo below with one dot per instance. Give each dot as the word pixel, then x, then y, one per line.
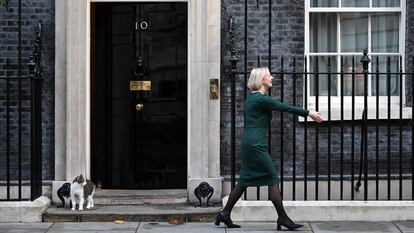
pixel 338 30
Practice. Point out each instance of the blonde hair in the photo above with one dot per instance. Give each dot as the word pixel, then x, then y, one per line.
pixel 256 78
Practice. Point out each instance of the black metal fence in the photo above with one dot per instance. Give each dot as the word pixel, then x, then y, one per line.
pixel 21 122
pixel 366 141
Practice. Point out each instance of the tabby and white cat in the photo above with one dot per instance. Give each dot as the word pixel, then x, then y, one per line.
pixel 82 189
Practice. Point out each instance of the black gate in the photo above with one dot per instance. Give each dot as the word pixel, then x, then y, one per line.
pixel 362 147
pixel 20 120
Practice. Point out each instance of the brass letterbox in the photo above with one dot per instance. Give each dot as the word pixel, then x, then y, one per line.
pixel 140 85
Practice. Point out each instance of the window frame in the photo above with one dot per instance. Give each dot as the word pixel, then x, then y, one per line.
pixel 359 100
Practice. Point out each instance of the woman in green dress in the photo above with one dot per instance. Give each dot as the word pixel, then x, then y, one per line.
pixel 257 167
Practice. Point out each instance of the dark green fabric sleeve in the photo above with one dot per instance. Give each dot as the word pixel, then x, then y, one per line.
pixel 272 104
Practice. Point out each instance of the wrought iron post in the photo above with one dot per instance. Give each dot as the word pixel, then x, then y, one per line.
pixel 365 60
pixel 19 75
pixel 233 59
pixel 35 68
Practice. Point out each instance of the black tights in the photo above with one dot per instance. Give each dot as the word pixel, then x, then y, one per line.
pixel 274 195
pixel 233 198
pixel 276 198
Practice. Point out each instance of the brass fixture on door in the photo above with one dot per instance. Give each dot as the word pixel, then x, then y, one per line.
pixel 139 107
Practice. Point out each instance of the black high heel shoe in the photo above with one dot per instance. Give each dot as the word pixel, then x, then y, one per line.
pixel 289 224
pixel 226 220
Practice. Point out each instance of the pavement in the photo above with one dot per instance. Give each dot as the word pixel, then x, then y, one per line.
pixel 202 227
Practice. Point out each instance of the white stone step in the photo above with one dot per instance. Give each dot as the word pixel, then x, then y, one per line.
pixel 139 197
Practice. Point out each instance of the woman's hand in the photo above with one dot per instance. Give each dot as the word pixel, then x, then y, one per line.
pixel 316 116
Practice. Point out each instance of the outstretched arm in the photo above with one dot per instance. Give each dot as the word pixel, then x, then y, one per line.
pixel 276 105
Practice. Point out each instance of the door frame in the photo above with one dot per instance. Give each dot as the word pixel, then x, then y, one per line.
pixel 72 109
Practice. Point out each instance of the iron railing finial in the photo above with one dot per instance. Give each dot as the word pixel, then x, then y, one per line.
pixel 35 65
pixel 365 60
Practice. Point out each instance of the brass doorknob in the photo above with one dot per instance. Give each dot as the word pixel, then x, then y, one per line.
pixel 139 107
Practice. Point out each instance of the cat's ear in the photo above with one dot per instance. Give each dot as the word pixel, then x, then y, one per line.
pixel 76 179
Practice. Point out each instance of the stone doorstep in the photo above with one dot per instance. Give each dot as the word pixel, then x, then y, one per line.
pixel 139 201
pixel 142 193
pixel 130 197
pixel 24 211
pixel 132 213
pixel 138 197
pixel 129 218
pixel 263 211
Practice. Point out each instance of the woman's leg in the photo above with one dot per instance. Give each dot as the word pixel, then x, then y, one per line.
pixel 224 215
pixel 233 198
pixel 276 198
pixel 283 220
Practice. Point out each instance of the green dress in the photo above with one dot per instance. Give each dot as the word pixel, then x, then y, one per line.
pixel 257 168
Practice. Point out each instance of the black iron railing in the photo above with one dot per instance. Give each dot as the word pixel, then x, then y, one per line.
pixel 332 156
pixel 21 119
pixel 388 136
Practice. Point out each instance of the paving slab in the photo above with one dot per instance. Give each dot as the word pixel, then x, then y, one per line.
pixel 354 227
pixel 91 231
pixel 264 227
pixel 94 227
pixel 28 230
pixel 24 227
pixel 185 227
pixel 406 226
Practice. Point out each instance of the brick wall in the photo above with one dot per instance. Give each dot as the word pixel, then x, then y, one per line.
pixel 32 13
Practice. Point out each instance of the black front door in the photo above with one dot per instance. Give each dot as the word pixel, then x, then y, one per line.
pixel 139 95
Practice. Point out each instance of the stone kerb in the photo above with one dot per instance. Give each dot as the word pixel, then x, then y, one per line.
pixel 24 211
